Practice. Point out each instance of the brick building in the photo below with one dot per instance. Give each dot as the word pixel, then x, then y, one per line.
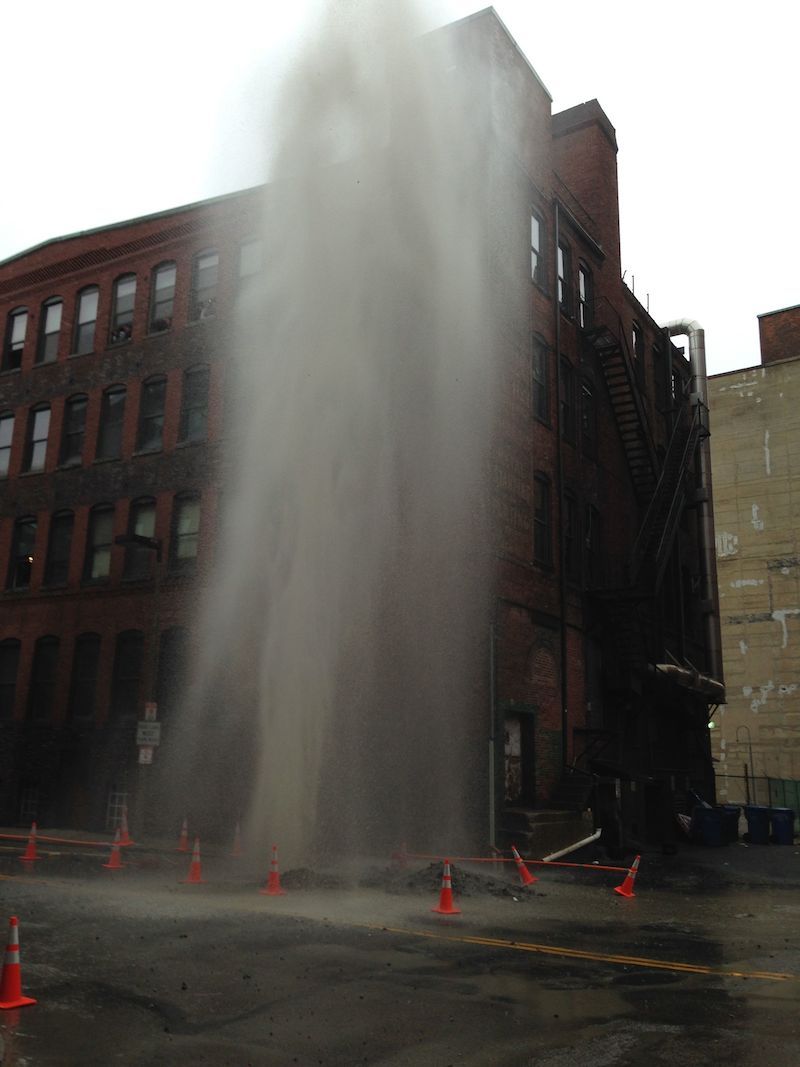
pixel 756 458
pixel 603 658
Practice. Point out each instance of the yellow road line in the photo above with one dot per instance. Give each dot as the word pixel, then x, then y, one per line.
pixel 595 957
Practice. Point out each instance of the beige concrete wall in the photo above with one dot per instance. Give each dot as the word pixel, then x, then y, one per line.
pixel 755 448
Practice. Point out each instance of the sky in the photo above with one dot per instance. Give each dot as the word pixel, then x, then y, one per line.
pixel 115 111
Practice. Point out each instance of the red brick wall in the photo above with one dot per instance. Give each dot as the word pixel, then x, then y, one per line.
pixel 779 332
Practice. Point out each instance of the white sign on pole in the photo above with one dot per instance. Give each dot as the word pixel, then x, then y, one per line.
pixel 148 733
pixel 150 711
pixel 146 753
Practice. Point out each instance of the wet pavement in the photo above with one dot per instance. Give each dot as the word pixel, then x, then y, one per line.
pixel 132 967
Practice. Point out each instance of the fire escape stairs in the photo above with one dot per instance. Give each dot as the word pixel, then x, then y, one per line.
pixel 653 545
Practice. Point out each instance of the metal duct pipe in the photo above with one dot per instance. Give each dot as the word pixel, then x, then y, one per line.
pixel 689 678
pixel 708 558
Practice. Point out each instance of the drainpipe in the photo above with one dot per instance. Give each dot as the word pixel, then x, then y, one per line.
pixel 705 510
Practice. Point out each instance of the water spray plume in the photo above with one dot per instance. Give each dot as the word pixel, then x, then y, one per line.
pixel 346 628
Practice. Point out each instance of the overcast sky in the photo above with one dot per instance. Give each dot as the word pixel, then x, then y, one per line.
pixel 113 111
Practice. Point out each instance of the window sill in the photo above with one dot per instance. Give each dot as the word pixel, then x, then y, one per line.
pixel 77 355
pixel 148 451
pixel 11 370
pixel 30 474
pixel 188 444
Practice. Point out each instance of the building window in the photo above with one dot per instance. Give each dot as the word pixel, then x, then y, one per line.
pixel 151 415
pixel 6 437
pixel 16 328
pixel 122 305
pixel 112 417
pixel 9 664
pixel 537 257
pixel 43 678
pixel 194 406
pixel 202 302
pixel 591 544
pixel 83 682
pixel 250 258
pixel 22 548
pixel 541 382
pixel 126 674
pixel 173 654
pixel 568 401
pixel 588 420
pixel 585 297
pixel 36 443
pixel 74 430
pixel 162 297
pixel 572 556
pixel 542 550
pixel 86 320
pixel 185 530
pixel 564 278
pixel 50 330
pixel 97 565
pixel 141 523
pixel 56 568
pixel 637 339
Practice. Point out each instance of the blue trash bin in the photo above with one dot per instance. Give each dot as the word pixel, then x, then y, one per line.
pixel 707 826
pixel 757 823
pixel 782 820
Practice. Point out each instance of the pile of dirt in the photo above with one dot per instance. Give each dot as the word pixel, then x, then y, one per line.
pixel 428 880
pixel 305 878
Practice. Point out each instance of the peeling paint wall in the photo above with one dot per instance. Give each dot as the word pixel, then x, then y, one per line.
pixel 755 450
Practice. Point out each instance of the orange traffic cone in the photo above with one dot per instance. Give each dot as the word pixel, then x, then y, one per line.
pixel 183 843
pixel 626 889
pixel 237 843
pixel 195 871
pixel 115 859
pixel 273 886
pixel 124 838
pixel 446 896
pixel 30 849
pixel 525 875
pixel 11 980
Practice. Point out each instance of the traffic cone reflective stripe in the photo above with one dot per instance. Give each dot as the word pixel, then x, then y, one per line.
pixel 11 980
pixel 446 906
pixel 525 875
pixel 115 859
pixel 183 843
pixel 195 870
pixel 30 849
pixel 125 837
pixel 273 886
pixel 626 889
pixel 237 843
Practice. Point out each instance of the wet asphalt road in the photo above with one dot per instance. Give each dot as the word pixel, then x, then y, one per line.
pixel 133 968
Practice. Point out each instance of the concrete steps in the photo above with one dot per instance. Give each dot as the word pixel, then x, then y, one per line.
pixel 537 833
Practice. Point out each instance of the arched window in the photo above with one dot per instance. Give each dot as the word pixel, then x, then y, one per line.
pixel 99 538
pixel 194 404
pixel 127 674
pixel 141 523
pixel 22 548
pixel 83 682
pixel 36 441
pixel 122 305
pixel 173 652
pixel 185 531
pixel 151 414
pixel 43 678
pixel 56 569
pixel 49 330
pixel 74 430
pixel 9 663
pixel 16 328
pixel 86 320
pixel 162 297
pixel 112 417
pixel 6 438
pixel 203 298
